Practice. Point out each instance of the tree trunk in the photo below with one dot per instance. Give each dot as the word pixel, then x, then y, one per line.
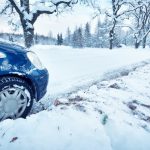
pixel 28 31
pixel 137 44
pixel 27 24
pixel 111 36
pixel 144 41
pixel 29 37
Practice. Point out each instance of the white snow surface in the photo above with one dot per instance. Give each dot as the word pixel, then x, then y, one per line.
pixel 107 115
pixel 70 69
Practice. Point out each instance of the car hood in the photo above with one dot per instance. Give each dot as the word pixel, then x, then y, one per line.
pixel 12 48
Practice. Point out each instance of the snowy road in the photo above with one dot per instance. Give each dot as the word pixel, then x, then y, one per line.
pixel 109 115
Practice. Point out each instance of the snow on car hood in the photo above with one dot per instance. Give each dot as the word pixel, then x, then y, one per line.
pixel 11 47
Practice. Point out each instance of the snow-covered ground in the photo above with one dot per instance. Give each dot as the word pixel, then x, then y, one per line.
pixel 109 115
pixel 108 110
pixel 70 68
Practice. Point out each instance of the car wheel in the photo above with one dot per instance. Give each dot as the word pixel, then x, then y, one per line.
pixel 16 98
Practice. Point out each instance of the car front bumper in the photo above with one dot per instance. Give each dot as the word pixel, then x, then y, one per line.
pixel 43 84
pixel 40 79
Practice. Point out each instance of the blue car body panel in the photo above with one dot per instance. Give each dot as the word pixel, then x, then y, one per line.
pixel 16 63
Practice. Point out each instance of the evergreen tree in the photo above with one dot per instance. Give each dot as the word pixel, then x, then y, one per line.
pixel 87 36
pixel 97 37
pixel 74 39
pixel 101 37
pixel 59 39
pixel 68 38
pixel 80 38
pixel 77 38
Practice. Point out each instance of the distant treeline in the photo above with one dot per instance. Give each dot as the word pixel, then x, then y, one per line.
pixel 38 39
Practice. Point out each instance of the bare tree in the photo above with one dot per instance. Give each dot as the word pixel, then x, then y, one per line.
pixel 120 10
pixel 116 16
pixel 29 11
pixel 141 16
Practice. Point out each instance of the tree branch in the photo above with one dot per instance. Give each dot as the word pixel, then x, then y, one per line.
pixel 13 3
pixel 4 9
pixel 40 12
pixel 127 11
pixel 56 5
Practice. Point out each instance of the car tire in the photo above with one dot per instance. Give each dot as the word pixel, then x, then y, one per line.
pixel 16 98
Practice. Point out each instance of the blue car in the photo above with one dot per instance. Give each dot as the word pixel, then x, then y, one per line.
pixel 23 79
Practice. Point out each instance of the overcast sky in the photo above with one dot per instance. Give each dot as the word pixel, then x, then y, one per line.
pixel 57 24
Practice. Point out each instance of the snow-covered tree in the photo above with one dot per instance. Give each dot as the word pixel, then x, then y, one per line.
pixel 74 39
pixel 97 39
pixel 77 38
pixel 80 37
pixel 68 37
pixel 29 10
pixel 101 37
pixel 59 39
pixel 87 35
pixel 141 19
pixel 117 12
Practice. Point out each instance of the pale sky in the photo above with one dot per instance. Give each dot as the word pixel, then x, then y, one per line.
pixel 58 24
pixel 79 16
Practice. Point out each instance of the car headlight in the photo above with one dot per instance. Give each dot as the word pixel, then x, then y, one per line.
pixel 35 60
pixel 2 55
